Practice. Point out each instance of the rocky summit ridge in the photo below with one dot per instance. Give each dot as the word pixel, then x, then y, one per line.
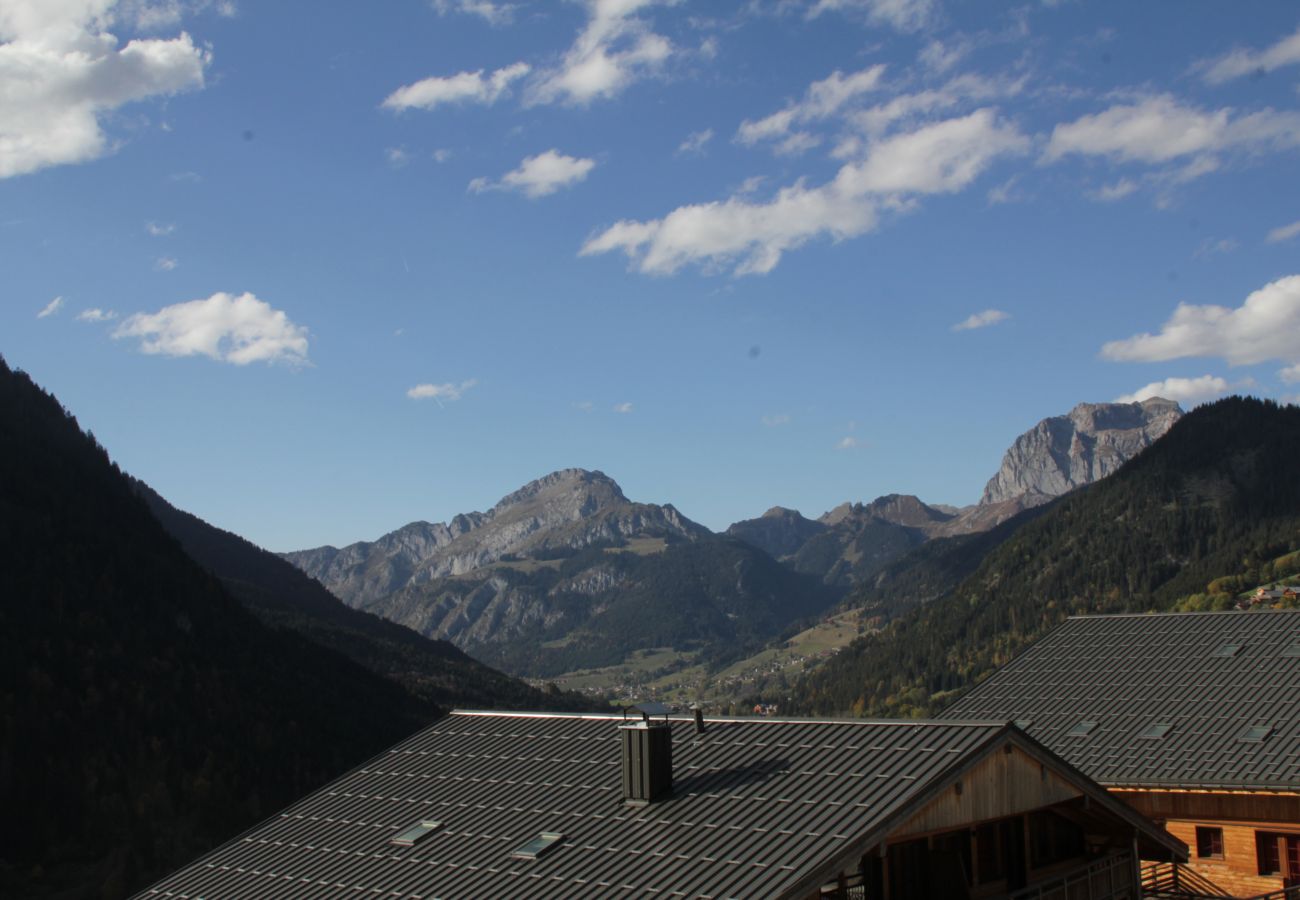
pixel 1062 453
pixel 563 511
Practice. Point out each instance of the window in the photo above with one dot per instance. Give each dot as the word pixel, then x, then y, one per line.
pixel 1081 729
pixel 1266 852
pixel 538 846
pixel 1254 734
pixel 1209 843
pixel 416 833
pixel 1156 730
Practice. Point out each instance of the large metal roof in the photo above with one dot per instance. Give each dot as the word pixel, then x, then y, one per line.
pixel 759 807
pixel 1210 677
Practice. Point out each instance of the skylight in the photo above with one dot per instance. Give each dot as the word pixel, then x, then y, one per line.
pixel 1081 729
pixel 538 846
pixel 1255 734
pixel 1156 730
pixel 1023 724
pixel 416 833
pixel 1291 651
pixel 1226 650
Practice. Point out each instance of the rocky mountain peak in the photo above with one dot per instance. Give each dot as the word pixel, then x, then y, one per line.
pixel 563 484
pixel 1087 444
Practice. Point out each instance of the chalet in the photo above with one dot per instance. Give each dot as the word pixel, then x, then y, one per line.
pixel 494 805
pixel 1191 718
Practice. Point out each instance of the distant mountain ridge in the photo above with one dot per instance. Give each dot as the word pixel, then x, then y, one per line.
pixel 558 513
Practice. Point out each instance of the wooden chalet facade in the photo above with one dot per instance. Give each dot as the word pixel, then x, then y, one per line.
pixel 490 804
pixel 1191 718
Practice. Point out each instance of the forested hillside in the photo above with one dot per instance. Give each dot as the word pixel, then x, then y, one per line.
pixel 1218 495
pixel 145 716
pixel 281 595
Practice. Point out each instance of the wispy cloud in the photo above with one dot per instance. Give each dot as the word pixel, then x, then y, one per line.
pixel 1284 233
pixel 1241 61
pixel 696 141
pixel 981 320
pixel 622 407
pixel 822 100
pixel 165 264
pixel 902 15
pixel 63 72
pixel 465 87
pixel 776 420
pixel 95 314
pixel 234 329
pixel 51 308
pixel 447 391
pixel 492 13
pixel 1263 328
pixel 1187 391
pixel 539 175
pixel 848 442
pixel 615 49
pixel 159 229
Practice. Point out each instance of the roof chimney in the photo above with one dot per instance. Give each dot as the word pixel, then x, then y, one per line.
pixel 699 717
pixel 647 757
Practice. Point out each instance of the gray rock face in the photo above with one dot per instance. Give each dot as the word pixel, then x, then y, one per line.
pixel 1065 452
pixel 568 509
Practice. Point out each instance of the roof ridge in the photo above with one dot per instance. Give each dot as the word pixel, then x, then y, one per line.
pixel 618 716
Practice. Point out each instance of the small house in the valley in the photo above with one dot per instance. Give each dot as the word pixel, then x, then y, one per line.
pixel 494 805
pixel 1192 718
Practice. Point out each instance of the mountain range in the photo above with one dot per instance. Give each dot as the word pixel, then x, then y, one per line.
pixel 564 573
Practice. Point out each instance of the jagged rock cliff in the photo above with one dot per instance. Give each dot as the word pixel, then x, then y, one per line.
pixel 1066 452
pixel 779 531
pixel 564 511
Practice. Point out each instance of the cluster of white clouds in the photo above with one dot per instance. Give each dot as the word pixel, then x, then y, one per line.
pixel 540 175
pixel 1263 329
pixel 62 69
pixel 615 48
pixel 751 236
pixel 903 15
pixel 235 329
pixel 823 99
pixel 448 391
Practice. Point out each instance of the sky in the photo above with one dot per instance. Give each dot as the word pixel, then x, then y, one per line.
pixel 314 270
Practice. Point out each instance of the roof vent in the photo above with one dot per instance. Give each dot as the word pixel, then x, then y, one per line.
pixel 647 756
pixel 698 712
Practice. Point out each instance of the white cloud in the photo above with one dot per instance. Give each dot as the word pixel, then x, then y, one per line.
pixel 397 157
pixel 696 141
pixel 1263 328
pixel 1159 130
pixel 584 406
pixel 751 236
pixel 962 89
pixel 539 175
pixel 441 155
pixel 1238 62
pixel 940 57
pixel 465 87
pixel 622 407
pixel 848 443
pixel 1284 233
pixel 492 13
pixel 51 308
pixel 615 49
pixel 981 320
pixel 1211 246
pixel 775 421
pixel 61 70
pixel 822 100
pixel 1108 193
pixel 1188 391
pixel 235 329
pixel 165 264
pixel 440 392
pixel 157 229
pixel 227 9
pixel 903 15
pixel 96 315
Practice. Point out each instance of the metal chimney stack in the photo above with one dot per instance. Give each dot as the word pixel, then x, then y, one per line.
pixel 647 748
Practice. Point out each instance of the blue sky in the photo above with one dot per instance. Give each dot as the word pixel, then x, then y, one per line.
pixel 314 271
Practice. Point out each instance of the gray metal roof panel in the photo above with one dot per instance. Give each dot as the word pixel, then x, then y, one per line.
pixel 747 794
pixel 1129 671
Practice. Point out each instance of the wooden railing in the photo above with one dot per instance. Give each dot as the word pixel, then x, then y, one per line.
pixel 1105 879
pixel 1170 881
